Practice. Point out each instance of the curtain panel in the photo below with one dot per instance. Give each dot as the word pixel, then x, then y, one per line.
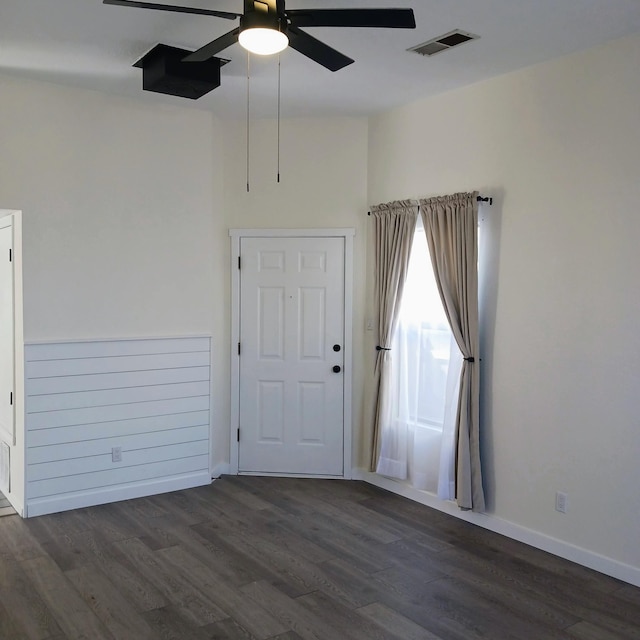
pixel 451 228
pixel 394 226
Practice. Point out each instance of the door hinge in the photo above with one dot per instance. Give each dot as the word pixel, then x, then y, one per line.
pixel 238 348
pixel 239 262
pixel 10 255
pixel 238 434
pixel 11 398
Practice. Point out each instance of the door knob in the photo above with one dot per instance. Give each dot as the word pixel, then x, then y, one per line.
pixel 337 369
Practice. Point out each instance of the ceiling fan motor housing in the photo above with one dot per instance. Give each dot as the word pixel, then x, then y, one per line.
pixel 263 20
pixel 164 72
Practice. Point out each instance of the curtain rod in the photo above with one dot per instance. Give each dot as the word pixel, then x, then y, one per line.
pixel 488 199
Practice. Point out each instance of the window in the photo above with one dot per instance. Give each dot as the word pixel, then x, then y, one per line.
pixel 425 373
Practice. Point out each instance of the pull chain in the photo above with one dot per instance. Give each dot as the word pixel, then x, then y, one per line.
pixel 279 117
pixel 248 112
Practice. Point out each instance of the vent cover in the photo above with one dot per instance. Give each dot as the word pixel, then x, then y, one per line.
pixel 444 42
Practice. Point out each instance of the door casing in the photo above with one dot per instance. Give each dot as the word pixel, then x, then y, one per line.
pixel 8 369
pixel 236 235
pixel 16 495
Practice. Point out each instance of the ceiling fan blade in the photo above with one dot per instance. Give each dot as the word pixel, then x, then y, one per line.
pixel 169 7
pixel 215 46
pixel 318 51
pixel 385 18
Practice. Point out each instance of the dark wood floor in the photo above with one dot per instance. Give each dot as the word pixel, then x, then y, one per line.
pixel 288 559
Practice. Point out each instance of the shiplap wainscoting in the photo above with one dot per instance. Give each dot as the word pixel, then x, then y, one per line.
pixel 150 398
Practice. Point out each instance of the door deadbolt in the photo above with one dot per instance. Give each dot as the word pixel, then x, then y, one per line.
pixel 337 369
pixel 336 347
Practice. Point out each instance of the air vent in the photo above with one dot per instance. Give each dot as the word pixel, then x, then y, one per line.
pixel 444 42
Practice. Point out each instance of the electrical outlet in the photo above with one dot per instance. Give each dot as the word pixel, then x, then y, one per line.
pixel 369 325
pixel 116 454
pixel 562 502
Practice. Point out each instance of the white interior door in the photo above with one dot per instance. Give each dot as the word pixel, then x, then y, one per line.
pixel 291 356
pixel 7 343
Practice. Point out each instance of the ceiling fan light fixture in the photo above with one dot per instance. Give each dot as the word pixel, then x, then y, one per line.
pixel 263 32
pixel 264 41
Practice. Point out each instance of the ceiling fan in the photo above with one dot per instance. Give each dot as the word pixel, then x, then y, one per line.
pixel 267 27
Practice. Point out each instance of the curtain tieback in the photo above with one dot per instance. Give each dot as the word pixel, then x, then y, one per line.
pixel 470 359
pixel 379 348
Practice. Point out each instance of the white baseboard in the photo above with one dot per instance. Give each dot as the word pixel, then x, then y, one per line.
pixel 269 474
pixel 584 557
pixel 77 500
pixel 221 469
pixel 224 468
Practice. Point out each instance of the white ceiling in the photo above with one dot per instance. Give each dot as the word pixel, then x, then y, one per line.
pixel 87 44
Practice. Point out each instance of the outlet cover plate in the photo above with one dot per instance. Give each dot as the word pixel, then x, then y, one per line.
pixel 562 502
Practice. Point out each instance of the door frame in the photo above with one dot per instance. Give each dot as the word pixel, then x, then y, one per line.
pixel 347 234
pixel 13 219
pixel 16 496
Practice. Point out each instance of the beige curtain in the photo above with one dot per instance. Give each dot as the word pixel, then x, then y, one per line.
pixel 394 226
pixel 451 227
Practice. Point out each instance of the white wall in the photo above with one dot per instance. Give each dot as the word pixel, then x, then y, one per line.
pixel 323 184
pixel 322 173
pixel 558 144
pixel 123 230
pixel 119 211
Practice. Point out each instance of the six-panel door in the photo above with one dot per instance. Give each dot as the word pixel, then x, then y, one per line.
pixel 292 336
